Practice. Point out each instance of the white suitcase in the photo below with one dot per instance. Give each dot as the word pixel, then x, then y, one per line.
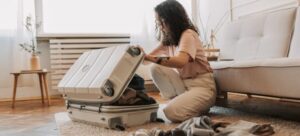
pixel 99 78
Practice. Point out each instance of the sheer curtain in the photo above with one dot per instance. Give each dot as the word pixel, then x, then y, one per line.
pixel 144 34
pixel 19 57
pixel 12 58
pixel 201 16
pixel 211 15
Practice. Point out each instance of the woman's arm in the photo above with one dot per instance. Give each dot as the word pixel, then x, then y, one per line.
pixel 159 50
pixel 178 61
pixel 187 52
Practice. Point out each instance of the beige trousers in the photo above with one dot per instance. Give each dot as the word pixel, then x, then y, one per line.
pixel 190 97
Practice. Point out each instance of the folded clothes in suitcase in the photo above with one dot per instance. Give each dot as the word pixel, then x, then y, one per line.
pixel 95 83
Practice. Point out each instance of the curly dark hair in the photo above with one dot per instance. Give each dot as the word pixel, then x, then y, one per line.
pixel 173 15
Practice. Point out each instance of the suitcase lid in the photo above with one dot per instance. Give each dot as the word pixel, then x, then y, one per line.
pixel 91 77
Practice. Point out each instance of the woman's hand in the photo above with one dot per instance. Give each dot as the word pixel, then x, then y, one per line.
pixel 177 61
pixel 143 51
pixel 146 57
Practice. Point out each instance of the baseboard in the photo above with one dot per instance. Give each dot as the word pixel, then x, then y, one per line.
pixel 58 96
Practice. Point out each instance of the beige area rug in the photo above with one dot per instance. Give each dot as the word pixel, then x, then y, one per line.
pixel 282 127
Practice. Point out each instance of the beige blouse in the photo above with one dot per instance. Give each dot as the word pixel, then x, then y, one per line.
pixel 190 44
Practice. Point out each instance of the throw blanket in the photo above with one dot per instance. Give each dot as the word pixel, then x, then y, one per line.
pixel 203 126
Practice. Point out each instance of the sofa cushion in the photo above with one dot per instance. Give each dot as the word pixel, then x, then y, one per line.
pixel 257 37
pixel 295 46
pixel 221 64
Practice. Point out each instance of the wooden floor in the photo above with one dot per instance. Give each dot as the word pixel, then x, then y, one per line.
pixel 31 118
pixel 274 107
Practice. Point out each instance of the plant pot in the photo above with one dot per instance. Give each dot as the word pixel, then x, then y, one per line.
pixel 35 62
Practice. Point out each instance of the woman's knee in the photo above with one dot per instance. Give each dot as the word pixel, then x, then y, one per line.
pixel 186 106
pixel 169 113
pixel 155 69
pixel 179 114
pixel 176 114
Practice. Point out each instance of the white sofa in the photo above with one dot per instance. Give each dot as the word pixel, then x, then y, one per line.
pixel 265 53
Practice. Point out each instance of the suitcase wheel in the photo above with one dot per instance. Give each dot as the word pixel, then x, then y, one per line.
pixel 108 89
pixel 116 123
pixel 153 117
pixel 120 127
pixel 134 51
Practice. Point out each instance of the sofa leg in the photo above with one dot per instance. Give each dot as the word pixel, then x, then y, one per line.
pixel 249 95
pixel 225 95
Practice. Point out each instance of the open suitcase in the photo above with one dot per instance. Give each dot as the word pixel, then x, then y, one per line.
pixel 99 78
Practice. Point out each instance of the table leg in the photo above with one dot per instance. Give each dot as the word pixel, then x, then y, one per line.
pixel 41 86
pixel 15 89
pixel 46 87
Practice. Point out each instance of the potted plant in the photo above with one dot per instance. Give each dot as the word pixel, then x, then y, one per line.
pixel 31 45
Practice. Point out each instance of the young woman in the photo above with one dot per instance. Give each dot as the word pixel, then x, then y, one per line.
pixel 190 85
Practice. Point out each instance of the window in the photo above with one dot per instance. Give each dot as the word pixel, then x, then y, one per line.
pixel 8 13
pixel 14 12
pixel 93 16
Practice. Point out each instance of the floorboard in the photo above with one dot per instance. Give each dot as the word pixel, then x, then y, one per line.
pixel 32 118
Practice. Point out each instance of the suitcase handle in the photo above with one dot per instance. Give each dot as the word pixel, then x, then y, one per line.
pixel 85 68
pixel 134 51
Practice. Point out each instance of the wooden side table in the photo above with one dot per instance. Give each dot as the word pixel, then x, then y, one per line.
pixel 212 54
pixel 42 80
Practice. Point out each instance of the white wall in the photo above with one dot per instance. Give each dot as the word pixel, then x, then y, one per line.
pixel 213 12
pixel 247 7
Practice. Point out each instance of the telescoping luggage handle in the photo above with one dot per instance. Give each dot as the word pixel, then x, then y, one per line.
pixel 108 88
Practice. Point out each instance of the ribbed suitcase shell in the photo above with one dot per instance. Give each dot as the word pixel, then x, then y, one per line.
pixel 100 77
pixel 114 117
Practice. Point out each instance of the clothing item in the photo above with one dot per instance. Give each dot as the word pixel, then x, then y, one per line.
pixel 245 128
pixel 191 97
pixel 167 81
pixel 159 132
pixel 203 126
pixel 137 83
pixel 134 97
pixel 190 44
